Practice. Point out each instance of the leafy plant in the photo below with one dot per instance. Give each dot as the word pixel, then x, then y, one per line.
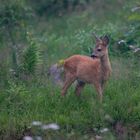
pixel 31 56
pixel 57 7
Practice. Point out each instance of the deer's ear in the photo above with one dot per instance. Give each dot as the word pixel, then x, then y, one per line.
pixel 95 36
pixel 106 39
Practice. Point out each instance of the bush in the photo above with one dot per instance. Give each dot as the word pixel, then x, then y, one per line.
pixel 13 18
pixel 57 7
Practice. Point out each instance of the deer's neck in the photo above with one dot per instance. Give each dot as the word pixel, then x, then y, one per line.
pixel 105 67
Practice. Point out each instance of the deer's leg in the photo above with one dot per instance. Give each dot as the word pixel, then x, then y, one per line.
pixel 69 79
pixel 98 87
pixel 103 85
pixel 80 85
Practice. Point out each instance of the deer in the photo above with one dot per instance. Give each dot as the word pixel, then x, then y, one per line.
pixel 94 69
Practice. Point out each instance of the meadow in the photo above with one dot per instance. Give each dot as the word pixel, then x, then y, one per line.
pixel 28 94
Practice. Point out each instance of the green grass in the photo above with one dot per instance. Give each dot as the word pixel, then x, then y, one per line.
pixel 20 105
pixel 37 99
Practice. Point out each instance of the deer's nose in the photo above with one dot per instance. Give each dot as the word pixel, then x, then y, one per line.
pixel 93 55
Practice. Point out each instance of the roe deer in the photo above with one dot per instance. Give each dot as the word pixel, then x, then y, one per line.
pixel 85 69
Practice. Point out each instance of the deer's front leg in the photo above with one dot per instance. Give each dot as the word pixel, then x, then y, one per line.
pixel 98 87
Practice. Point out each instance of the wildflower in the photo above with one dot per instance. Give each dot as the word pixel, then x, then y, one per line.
pixel 36 123
pixel 104 130
pixel 61 62
pixel 137 50
pixel 135 9
pixel 121 41
pixel 52 126
pixel 55 73
pixel 27 138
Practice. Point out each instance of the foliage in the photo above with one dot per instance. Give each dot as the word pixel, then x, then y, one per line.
pixel 57 7
pixel 31 56
pixel 13 17
pixel 35 47
pixel 12 13
pixel 74 115
pixel 16 96
pixel 133 35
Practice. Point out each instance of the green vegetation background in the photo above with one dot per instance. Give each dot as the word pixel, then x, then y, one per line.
pixel 37 34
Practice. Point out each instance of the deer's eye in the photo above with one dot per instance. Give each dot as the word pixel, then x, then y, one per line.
pixel 99 50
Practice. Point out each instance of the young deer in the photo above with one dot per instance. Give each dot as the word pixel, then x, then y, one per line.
pixel 93 70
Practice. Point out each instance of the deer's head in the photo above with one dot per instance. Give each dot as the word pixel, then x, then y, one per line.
pixel 101 48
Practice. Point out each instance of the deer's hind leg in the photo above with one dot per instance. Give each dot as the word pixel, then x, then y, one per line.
pixel 69 79
pixel 80 85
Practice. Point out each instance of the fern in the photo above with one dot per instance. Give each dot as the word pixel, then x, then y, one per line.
pixel 31 56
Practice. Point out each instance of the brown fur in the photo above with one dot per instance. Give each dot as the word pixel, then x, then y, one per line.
pixel 95 71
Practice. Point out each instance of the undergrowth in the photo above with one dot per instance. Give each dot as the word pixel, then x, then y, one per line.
pixel 31 96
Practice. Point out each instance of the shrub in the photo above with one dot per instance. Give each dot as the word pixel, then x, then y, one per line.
pixel 31 56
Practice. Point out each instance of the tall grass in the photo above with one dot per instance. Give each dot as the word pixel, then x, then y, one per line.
pixel 83 117
pixel 20 105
